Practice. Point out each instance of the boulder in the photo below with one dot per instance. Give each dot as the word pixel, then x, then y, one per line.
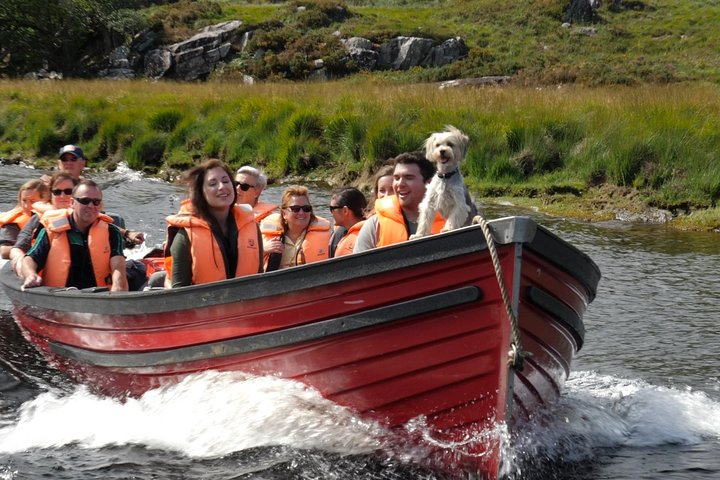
pixel 474 82
pixel 403 53
pixel 157 63
pixel 197 56
pixel 447 52
pixel 582 11
pixel 360 50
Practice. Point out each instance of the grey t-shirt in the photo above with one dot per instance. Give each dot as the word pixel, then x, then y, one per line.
pixel 367 236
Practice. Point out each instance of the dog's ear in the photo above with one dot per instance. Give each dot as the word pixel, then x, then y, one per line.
pixel 461 138
pixel 464 140
pixel 429 146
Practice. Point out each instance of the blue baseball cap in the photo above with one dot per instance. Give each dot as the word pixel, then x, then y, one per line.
pixel 73 150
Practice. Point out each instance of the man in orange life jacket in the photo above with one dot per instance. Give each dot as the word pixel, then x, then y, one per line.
pixel 250 184
pixel 396 215
pixel 78 247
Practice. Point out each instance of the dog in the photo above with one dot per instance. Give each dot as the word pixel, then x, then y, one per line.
pixel 446 192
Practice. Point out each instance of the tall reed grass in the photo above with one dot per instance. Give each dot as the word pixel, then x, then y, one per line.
pixel 662 140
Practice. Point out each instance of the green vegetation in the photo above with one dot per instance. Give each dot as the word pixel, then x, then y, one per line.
pixel 659 142
pixel 623 110
pixel 641 41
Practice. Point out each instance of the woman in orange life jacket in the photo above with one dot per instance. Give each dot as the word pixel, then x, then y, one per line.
pixel 13 221
pixel 61 187
pixel 346 208
pixel 294 236
pixel 216 239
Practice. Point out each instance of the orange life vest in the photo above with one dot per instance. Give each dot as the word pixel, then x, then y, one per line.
pixel 17 216
pixel 42 207
pixel 208 264
pixel 57 265
pixel 262 210
pixel 391 224
pixel 346 245
pixel 315 245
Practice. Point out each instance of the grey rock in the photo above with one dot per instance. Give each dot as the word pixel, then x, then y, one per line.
pixel 157 63
pixel 447 52
pixel 403 53
pixel 358 42
pixel 582 11
pixel 474 82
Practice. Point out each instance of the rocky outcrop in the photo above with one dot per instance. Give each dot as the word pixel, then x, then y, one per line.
pixel 198 56
pixel 403 53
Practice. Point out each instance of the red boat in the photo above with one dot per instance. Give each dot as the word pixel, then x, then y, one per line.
pixel 415 331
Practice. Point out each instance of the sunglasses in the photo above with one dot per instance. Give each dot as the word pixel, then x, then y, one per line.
pixel 59 191
pixel 88 201
pixel 245 186
pixel 335 207
pixel 69 158
pixel 297 208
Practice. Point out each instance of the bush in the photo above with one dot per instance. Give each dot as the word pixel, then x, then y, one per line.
pixel 146 153
pixel 165 120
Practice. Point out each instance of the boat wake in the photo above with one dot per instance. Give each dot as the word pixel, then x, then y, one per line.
pixel 599 413
pixel 214 414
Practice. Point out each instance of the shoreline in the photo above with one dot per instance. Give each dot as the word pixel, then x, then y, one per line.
pixel 608 202
pixel 594 204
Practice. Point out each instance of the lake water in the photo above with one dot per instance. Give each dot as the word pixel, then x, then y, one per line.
pixel 643 401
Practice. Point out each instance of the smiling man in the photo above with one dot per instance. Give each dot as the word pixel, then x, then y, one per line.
pixel 78 247
pixel 397 215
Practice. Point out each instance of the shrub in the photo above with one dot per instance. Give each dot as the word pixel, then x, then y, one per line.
pixel 146 153
pixel 165 120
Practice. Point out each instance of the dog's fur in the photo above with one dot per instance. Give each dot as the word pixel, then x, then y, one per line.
pixel 446 192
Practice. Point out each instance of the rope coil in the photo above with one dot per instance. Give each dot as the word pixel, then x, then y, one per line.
pixel 516 355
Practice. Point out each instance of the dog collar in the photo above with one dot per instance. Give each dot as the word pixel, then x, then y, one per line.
pixel 447 175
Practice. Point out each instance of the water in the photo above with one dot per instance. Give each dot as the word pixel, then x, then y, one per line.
pixel 643 400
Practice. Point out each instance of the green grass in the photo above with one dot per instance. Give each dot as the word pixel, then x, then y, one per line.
pixel 659 141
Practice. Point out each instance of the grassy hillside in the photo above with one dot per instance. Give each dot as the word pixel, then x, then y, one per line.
pixel 623 114
pixel 641 41
pixel 655 144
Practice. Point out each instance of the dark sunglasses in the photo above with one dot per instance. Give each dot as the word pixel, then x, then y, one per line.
pixel 59 191
pixel 245 186
pixel 335 207
pixel 88 201
pixel 69 158
pixel 297 208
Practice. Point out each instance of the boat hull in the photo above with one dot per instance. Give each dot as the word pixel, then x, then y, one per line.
pixel 412 331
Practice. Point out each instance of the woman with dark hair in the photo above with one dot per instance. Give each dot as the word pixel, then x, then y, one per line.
pixel 214 239
pixel 294 236
pixel 346 207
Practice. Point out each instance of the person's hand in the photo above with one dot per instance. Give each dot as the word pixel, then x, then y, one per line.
pixel 273 245
pixel 136 238
pixel 32 280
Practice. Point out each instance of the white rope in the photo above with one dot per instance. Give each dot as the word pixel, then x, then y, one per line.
pixel 516 353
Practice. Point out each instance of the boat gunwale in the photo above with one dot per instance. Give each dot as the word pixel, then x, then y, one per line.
pixel 463 241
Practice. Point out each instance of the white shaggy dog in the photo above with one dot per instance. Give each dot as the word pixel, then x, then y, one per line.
pixel 446 192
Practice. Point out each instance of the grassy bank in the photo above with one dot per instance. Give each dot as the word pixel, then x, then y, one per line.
pixel 552 145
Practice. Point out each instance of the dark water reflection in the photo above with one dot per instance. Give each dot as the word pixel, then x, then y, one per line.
pixel 643 401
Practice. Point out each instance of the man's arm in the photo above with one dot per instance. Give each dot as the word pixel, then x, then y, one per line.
pixel 29 273
pixel 119 276
pixel 367 236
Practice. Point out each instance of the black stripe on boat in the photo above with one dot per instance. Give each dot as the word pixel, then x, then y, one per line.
pixel 559 310
pixel 305 333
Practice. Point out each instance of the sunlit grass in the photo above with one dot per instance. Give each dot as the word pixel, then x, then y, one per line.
pixel 662 141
